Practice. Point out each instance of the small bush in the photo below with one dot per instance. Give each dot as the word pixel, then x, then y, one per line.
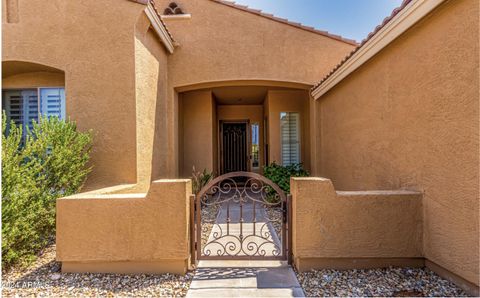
pixel 51 162
pixel 280 175
pixel 200 179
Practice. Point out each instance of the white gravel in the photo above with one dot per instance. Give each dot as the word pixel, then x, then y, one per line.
pixel 386 282
pixel 44 279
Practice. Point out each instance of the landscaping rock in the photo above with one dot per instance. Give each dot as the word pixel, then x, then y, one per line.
pixel 385 282
pixel 43 279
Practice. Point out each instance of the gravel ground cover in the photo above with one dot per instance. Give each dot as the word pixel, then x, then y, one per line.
pixel 209 217
pixel 386 282
pixel 275 217
pixel 44 279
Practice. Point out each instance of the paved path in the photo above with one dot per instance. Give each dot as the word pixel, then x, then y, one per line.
pixel 259 238
pixel 244 279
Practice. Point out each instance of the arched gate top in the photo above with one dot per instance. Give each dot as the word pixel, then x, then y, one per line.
pixel 253 177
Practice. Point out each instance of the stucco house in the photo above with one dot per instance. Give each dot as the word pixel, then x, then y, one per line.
pixel 208 83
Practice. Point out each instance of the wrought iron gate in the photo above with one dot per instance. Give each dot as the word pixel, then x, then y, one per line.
pixel 247 220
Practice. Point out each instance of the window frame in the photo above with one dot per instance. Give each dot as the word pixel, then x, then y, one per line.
pixel 257 124
pixel 299 135
pixel 38 90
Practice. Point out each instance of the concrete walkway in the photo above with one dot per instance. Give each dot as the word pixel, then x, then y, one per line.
pixel 244 279
pixel 251 278
pixel 246 238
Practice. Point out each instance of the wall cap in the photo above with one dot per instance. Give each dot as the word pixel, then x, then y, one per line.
pixel 171 180
pixel 378 193
pixel 310 179
pixel 176 17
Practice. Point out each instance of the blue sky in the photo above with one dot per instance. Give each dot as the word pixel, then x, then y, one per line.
pixel 349 18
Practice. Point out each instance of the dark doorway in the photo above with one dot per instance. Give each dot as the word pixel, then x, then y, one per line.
pixel 234 147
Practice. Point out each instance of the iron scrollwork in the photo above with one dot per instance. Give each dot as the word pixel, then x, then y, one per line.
pixel 242 216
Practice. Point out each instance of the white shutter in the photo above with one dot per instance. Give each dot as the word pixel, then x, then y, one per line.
pixel 21 106
pixel 30 107
pixel 52 102
pixel 13 105
pixel 290 137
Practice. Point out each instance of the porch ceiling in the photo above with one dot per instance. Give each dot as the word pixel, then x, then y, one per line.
pixel 242 95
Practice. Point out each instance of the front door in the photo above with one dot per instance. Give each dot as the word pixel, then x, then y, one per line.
pixel 234 147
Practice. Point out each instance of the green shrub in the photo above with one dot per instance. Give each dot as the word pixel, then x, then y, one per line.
pixel 51 162
pixel 280 175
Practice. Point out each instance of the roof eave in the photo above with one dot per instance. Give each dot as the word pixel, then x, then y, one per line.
pixel 159 27
pixel 401 22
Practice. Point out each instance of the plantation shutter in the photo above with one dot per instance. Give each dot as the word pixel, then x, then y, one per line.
pixel 21 106
pixel 30 99
pixel 13 106
pixel 290 137
pixel 52 102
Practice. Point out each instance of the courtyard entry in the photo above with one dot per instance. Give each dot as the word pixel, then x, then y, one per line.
pixel 223 129
pixel 247 220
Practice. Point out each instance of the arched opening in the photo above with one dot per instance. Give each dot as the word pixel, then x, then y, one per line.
pixel 242 126
pixel 30 90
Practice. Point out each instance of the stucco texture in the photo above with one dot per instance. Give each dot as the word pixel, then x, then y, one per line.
pixel 288 101
pixel 95 49
pixel 409 118
pixel 120 82
pixel 126 233
pixel 150 93
pixel 220 44
pixel 330 227
pixel 198 112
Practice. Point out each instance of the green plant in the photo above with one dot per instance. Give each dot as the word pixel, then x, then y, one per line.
pixel 49 162
pixel 280 175
pixel 200 179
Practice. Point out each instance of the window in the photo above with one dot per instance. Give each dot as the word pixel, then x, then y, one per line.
pixel 24 106
pixel 290 137
pixel 255 145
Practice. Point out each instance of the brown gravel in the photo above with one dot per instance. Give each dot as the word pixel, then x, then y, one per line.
pixel 44 279
pixel 209 217
pixel 275 216
pixel 386 282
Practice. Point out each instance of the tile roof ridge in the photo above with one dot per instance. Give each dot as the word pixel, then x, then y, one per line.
pixel 152 2
pixel 285 21
pixel 364 41
pixel 160 17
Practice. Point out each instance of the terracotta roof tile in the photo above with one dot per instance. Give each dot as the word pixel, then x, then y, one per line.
pixel 145 2
pixel 160 17
pixel 370 35
pixel 285 21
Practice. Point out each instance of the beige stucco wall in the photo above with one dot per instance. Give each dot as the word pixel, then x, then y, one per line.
pixel 198 137
pixel 288 101
pixel 409 118
pixel 111 63
pixel 93 43
pixel 126 233
pixel 354 229
pixel 150 92
pixel 33 80
pixel 221 44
